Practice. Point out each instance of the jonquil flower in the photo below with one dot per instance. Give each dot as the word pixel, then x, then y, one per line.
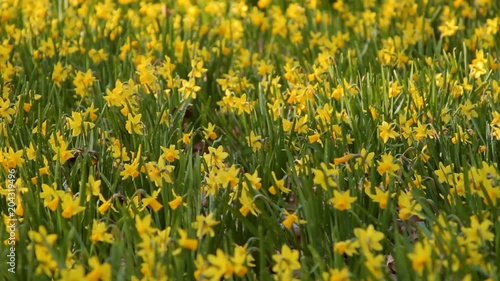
pixel 381 197
pixel 253 179
pixel 204 224
pixel 286 263
pixel 220 268
pixel 152 202
pixel 215 157
pixel 247 204
pixel 343 159
pixel 185 242
pixel 143 226
pixel 326 176
pixel 347 247
pixel 93 187
pixel 478 233
pixel 342 200
pixel 71 206
pixel 449 28
pixel 369 238
pixel 176 202
pixel 387 131
pixel 100 271
pixel 280 184
pixel 170 153
pixel 290 219
pixel 421 256
pixel 134 124
pixel 209 132
pixel 99 233
pixel 254 141
pixel 132 169
pixel 386 166
pixel 77 124
pixel 189 89
pixel 335 274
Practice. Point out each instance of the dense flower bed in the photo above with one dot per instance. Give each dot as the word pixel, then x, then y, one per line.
pixel 250 140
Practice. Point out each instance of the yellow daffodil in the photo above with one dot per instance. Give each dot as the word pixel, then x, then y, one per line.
pixel 185 242
pixel 342 200
pixel 387 131
pixel 70 206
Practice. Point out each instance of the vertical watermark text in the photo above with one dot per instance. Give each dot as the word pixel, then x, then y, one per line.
pixel 12 221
